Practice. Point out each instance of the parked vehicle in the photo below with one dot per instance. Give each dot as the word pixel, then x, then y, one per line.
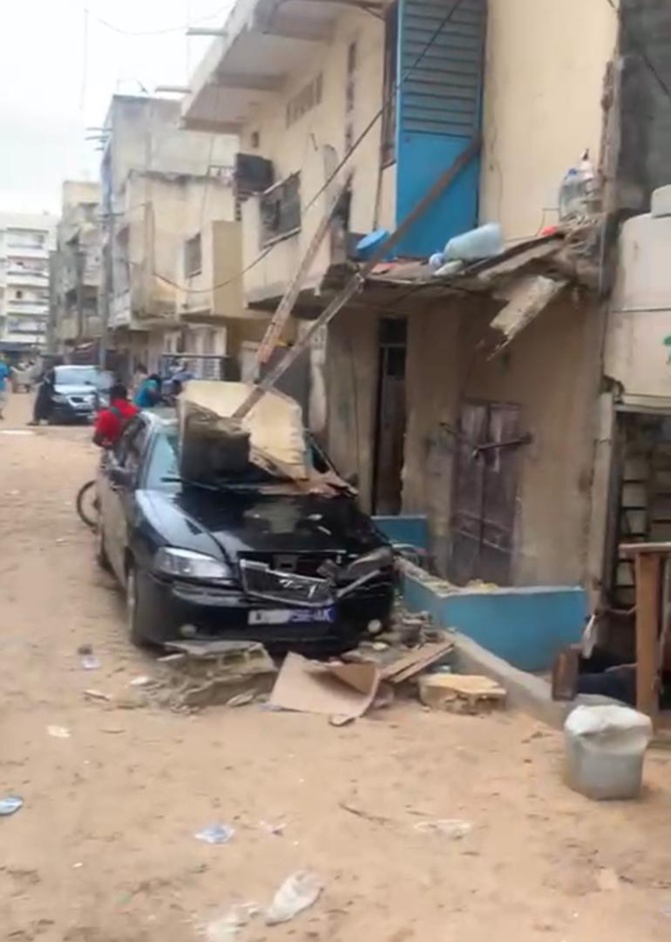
pixel 255 557
pixel 74 393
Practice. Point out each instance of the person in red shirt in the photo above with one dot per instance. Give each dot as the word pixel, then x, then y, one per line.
pixel 111 422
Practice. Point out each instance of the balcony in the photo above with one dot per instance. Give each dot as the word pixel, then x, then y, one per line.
pixel 263 41
pixel 215 288
pixel 278 226
pixel 13 250
pixel 27 307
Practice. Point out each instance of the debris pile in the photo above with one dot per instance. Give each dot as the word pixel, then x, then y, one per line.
pixel 197 675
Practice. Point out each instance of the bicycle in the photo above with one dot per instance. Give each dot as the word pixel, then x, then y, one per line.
pixel 87 505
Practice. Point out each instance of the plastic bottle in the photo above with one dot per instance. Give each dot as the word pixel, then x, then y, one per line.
pixel 483 242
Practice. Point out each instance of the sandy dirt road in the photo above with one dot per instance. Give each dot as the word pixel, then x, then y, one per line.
pixel 103 849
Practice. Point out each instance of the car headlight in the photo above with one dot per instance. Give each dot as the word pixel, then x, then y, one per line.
pixel 189 565
pixel 381 558
pixel 58 397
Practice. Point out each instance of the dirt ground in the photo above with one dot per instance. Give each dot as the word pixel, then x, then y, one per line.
pixel 103 849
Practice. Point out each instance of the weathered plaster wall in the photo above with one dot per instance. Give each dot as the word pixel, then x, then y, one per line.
pixel 644 107
pixel 552 371
pixel 433 377
pixel 351 384
pixel 545 67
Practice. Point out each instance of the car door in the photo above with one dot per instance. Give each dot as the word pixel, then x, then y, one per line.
pixel 120 478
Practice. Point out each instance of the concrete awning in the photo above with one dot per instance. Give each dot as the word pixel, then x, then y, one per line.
pixel 527 296
pixel 262 42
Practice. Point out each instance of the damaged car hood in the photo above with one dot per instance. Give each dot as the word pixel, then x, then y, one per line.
pixel 243 522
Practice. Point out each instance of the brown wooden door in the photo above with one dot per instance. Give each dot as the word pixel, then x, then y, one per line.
pixel 390 418
pixel 483 517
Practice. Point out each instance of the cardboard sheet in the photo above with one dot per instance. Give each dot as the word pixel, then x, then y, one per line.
pixel 339 690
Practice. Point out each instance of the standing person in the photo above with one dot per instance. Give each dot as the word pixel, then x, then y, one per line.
pixel 111 422
pixel 4 377
pixel 42 404
pixel 148 391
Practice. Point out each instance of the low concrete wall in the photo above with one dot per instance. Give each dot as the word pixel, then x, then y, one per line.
pixel 409 529
pixel 525 626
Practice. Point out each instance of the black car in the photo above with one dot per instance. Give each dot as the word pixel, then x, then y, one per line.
pixel 256 558
pixel 73 393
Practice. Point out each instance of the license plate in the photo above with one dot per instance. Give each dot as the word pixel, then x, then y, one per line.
pixel 291 616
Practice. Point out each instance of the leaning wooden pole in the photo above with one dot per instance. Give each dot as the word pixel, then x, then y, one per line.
pixel 286 305
pixel 357 280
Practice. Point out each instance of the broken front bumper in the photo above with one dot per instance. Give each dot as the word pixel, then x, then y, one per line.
pixel 209 612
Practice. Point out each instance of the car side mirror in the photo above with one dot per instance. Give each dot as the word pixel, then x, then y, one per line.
pixel 353 480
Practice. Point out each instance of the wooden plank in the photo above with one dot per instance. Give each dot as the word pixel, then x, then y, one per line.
pixel 286 305
pixel 648 571
pixel 642 549
pixel 357 281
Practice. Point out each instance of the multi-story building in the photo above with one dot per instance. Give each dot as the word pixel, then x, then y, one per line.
pixel 75 318
pixel 165 193
pixel 25 244
pixel 491 102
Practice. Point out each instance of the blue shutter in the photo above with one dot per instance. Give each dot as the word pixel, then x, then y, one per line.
pixel 439 111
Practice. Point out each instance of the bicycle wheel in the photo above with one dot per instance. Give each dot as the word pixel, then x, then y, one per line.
pixel 87 505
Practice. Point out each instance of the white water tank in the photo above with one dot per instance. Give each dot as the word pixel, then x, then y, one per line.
pixel 638 340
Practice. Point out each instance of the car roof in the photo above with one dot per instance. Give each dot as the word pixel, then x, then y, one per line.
pixel 163 417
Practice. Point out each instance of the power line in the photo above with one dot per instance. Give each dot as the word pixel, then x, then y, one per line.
pixel 387 100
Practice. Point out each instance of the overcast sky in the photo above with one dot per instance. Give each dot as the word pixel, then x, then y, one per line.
pixel 59 66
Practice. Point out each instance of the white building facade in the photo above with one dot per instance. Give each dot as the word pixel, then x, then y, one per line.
pixel 25 244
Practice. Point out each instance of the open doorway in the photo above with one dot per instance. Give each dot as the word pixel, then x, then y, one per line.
pixel 390 417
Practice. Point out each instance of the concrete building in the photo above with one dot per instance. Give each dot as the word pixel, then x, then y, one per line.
pixel 161 187
pixel 25 244
pixel 76 268
pixel 409 375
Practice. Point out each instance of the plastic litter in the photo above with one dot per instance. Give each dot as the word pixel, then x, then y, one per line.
pixel 142 681
pixel 299 892
pixel 604 749
pixel 59 732
pixel 10 805
pixel 215 834
pixel 91 663
pixel 453 828
pixel 225 928
pixel 483 242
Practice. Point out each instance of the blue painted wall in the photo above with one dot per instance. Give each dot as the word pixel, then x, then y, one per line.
pixel 439 111
pixel 526 627
pixel 412 530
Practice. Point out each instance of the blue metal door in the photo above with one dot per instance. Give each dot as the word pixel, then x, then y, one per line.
pixel 439 109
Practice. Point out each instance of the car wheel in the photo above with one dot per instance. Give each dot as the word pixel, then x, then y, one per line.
pixel 133 609
pixel 101 552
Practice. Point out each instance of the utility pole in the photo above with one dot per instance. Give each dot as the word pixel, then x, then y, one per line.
pixel 80 267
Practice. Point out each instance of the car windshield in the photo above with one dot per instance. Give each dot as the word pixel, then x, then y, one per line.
pixel 78 376
pixel 163 470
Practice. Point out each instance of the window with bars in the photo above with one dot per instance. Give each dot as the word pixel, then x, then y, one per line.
pixel 193 256
pixel 281 210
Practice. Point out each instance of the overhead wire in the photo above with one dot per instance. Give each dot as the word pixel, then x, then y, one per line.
pixel 160 32
pixel 371 124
